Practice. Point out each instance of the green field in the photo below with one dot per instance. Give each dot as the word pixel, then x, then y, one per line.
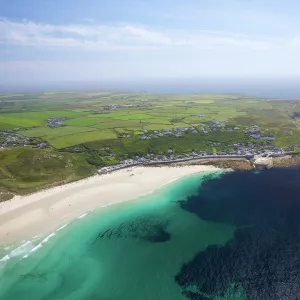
pixel 90 120
pixel 87 112
pixel 84 137
pixel 33 118
pixel 49 133
pixel 117 120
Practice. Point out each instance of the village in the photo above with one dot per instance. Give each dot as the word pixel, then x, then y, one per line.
pixel 12 139
pixel 253 132
pixel 177 131
pixel 241 151
pixel 256 133
pixel 54 122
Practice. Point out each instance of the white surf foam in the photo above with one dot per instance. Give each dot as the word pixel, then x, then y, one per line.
pixel 40 245
pixel 28 247
pixel 62 227
pixel 82 216
pixel 5 258
pixel 21 250
pixel 44 241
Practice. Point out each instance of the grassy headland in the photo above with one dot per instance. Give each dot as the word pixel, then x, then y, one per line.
pixel 26 170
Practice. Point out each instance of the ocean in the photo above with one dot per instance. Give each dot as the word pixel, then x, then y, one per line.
pixel 254 87
pixel 212 236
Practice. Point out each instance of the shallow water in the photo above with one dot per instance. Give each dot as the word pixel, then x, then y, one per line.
pixel 214 236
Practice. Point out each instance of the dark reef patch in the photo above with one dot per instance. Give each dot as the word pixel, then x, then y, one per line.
pixel 149 229
pixel 264 256
pixel 245 198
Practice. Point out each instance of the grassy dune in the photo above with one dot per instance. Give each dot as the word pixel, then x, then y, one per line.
pixel 24 170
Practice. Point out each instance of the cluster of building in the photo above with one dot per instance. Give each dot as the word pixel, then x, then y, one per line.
pixel 239 150
pixel 268 150
pixel 124 135
pixel 178 131
pixel 112 106
pixel 296 116
pixel 256 149
pixel 54 122
pixel 116 106
pixel 199 115
pixel 255 132
pixel 217 125
pixel 164 159
pixel 140 100
pixel 12 139
pixel 243 152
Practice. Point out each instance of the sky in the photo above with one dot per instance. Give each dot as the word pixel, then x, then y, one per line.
pixel 48 41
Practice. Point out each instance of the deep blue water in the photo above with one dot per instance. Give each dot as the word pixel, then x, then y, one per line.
pixel 264 256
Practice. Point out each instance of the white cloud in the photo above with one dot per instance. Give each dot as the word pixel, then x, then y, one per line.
pixel 95 36
pixel 134 51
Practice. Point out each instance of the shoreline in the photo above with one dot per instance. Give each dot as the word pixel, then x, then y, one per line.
pixel 236 163
pixel 24 217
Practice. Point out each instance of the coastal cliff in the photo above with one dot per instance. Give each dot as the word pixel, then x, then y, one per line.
pixel 239 164
pixel 287 161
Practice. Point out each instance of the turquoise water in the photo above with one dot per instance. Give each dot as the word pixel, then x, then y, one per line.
pixel 128 251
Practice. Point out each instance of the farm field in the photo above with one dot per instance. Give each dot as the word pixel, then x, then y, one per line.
pixel 49 133
pixel 101 116
pixel 84 137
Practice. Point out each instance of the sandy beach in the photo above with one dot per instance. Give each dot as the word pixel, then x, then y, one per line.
pixel 24 217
